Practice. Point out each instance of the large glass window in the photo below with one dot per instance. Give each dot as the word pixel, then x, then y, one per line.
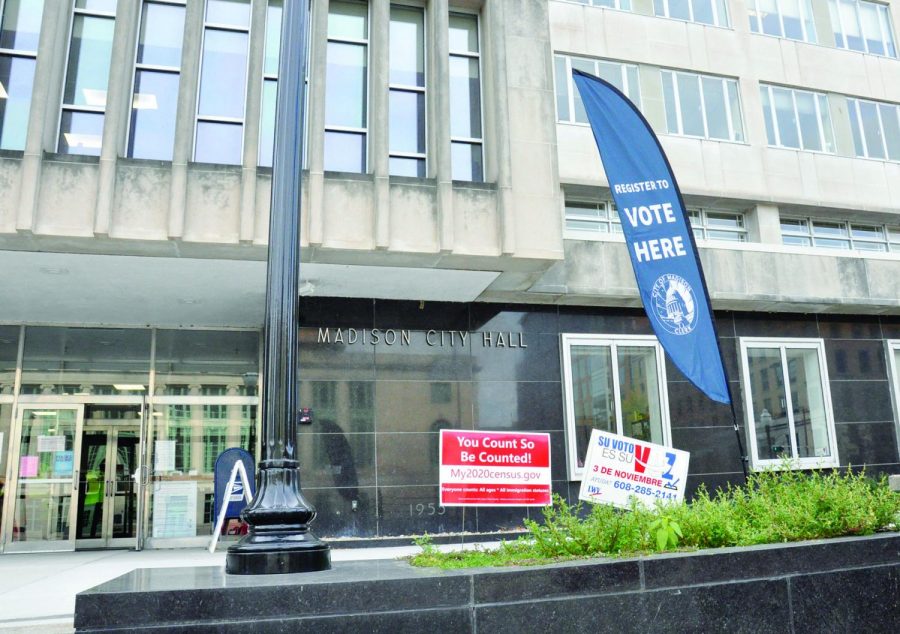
pixel 156 73
pixel 624 5
pixel 9 354
pixel 20 28
pixel 839 234
pixel 87 77
pixel 788 403
pixel 862 26
pixel 713 224
pixel 876 129
pixel 407 92
pixel 466 135
pixel 569 106
pixel 223 79
pixel 702 106
pixel 894 363
pixel 615 385
pixel 792 19
pixel 703 11
pixel 592 219
pixel 797 119
pixel 347 87
pixel 270 82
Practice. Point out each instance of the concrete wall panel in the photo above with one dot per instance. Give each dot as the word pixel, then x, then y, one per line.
pixel 141 202
pixel 68 194
pixel 10 175
pixel 213 209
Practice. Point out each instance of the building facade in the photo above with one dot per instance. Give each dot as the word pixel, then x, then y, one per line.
pixel 462 265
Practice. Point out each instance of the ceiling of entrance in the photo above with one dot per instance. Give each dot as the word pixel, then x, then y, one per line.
pixel 65 288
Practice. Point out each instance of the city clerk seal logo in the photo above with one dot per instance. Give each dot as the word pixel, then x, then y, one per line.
pixel 674 303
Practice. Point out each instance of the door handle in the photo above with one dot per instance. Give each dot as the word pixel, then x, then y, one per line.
pixel 75 480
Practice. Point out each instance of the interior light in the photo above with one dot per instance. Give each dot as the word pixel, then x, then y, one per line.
pixel 129 387
pixel 3 93
pixel 44 412
pixel 94 97
pixel 144 101
pixel 89 141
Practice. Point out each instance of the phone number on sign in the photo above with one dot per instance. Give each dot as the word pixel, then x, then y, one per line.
pixel 642 490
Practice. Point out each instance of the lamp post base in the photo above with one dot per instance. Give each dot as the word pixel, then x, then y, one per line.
pixel 274 556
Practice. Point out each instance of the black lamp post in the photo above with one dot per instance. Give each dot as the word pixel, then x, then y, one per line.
pixel 279 540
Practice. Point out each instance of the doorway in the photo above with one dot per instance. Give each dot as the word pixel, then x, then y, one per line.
pixel 77 482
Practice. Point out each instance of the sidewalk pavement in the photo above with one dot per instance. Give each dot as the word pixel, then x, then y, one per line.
pixel 37 590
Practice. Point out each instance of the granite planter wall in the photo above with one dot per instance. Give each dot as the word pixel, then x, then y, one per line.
pixel 846 585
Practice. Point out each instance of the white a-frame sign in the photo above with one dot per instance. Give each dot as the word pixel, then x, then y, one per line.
pixel 231 490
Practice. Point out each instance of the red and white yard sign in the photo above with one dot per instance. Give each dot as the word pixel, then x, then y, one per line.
pixel 492 468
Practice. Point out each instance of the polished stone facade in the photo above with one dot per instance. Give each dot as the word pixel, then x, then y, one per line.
pixel 369 460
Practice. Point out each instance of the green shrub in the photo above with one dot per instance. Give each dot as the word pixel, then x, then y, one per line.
pixel 773 506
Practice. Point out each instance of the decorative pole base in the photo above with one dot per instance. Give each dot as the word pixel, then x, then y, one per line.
pixel 275 556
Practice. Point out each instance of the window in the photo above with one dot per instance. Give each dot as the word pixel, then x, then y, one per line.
pixel 709 224
pixel 808 232
pixel 702 11
pixel 862 26
pixel 876 129
pixel 466 137
pixel 595 218
pixel 87 76
pixel 407 92
pixel 270 83
pixel 616 385
pixel 219 137
pixel 792 19
pixel 346 87
pixel 569 107
pixel 157 70
pixel 894 364
pixel 20 28
pixel 624 5
pixel 797 119
pixel 702 106
pixel 800 424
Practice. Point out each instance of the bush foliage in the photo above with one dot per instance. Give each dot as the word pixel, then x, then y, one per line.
pixel 772 507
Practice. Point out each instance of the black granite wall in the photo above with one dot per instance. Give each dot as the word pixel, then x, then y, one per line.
pixel 369 460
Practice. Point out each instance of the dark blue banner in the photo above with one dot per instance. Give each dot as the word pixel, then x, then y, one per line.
pixel 657 233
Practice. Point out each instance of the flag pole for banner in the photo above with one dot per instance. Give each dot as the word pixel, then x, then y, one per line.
pixel 601 110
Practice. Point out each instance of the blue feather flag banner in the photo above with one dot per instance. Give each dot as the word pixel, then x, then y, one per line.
pixel 658 235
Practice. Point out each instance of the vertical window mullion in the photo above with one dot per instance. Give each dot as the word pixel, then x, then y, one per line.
pixel 731 134
pixel 617 397
pixel 797 119
pixel 677 96
pixel 788 402
pixel 862 131
pixel 569 89
pixel 820 125
pixel 882 132
pixel 774 114
pixel 702 104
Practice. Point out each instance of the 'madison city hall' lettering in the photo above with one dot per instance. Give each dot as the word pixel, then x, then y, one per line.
pixel 433 338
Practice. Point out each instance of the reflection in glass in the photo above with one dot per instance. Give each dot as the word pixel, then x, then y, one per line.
pixel 90 53
pixel 412 167
pixel 592 394
pixel 107 6
pixel 81 133
pixel 786 117
pixel 407 47
pixel 46 474
pixel 345 151
pixel 691 107
pixel 161 36
pixel 228 360
pixel 347 20
pixel 16 81
pixel 463 33
pixel 466 160
pixel 273 37
pixel 407 121
pixel 639 394
pixel 808 403
pixel 219 143
pixel 21 26
pixel 223 75
pixel 465 98
pixel 345 88
pixel 153 115
pixel 714 104
pixel 230 12
pixel 267 123
pixel 769 403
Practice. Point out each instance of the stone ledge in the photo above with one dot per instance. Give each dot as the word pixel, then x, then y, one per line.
pixel 851 581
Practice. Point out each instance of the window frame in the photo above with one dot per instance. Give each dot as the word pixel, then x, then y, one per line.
pixel 567 340
pixel 198 118
pixel 74 11
pixel 570 84
pixel 718 20
pixel 22 53
pixel 472 141
pixel 273 77
pixel 892 348
pixel 854 112
pixel 367 42
pixel 612 222
pixel 890 235
pixel 729 115
pixel 139 66
pixel 596 4
pixel 754 11
pixel 419 90
pixel 885 26
pixel 702 226
pixel 783 344
pixel 823 137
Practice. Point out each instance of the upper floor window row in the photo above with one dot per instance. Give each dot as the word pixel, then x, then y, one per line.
pixel 569 106
pixel 862 26
pixel 797 119
pixel 792 19
pixel 712 12
pixel 876 129
pixel 623 5
pixel 829 234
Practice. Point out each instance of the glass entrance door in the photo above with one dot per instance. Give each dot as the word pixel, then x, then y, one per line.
pixel 107 487
pixel 46 478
